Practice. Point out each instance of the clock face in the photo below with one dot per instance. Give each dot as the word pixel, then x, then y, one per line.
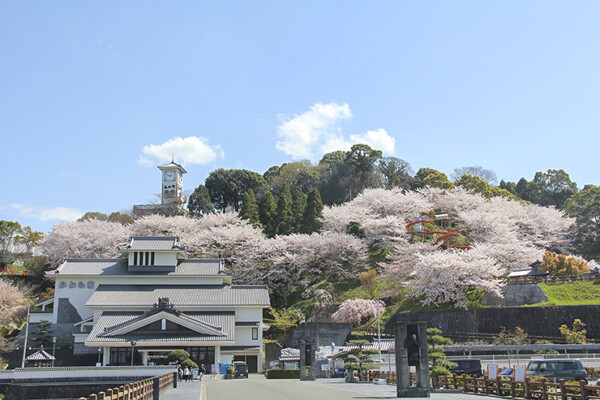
pixel 170 176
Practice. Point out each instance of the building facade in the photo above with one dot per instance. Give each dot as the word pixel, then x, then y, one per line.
pixel 155 300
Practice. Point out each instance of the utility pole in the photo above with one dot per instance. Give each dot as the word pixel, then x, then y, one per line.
pixel 26 335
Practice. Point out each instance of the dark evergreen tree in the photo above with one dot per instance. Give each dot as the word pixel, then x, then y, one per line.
pixel 199 202
pixel 284 220
pixel 268 210
pixel 249 210
pixel 311 220
pixel 298 207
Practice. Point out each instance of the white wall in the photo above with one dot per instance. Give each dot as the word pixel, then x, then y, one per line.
pixel 248 314
pixel 243 336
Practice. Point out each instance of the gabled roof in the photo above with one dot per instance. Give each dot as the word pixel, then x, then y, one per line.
pixel 152 243
pixel 122 327
pixel 118 266
pixel 40 355
pixel 182 295
pixel 172 165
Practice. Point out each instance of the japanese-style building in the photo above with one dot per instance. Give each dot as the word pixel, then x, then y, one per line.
pixel 155 300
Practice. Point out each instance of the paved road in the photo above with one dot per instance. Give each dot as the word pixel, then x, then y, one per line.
pixel 258 388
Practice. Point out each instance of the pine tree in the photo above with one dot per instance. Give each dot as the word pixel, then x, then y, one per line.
pixel 311 220
pixel 298 207
pixel 267 214
pixel 284 220
pixel 438 365
pixel 249 209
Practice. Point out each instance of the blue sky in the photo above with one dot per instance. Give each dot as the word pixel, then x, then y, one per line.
pixel 94 95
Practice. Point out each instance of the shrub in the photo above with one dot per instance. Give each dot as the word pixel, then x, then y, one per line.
pixel 188 363
pixel 178 356
pixel 278 373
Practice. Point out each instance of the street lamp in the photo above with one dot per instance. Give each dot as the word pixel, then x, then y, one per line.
pixel 133 343
pixel 53 349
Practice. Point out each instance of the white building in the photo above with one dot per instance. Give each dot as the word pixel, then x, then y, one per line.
pixel 155 300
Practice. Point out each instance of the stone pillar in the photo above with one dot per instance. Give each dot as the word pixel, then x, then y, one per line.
pixel 411 350
pixel 217 365
pixel 302 362
pixel 144 358
pixel 308 359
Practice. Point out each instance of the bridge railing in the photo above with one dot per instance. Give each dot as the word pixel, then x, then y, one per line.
pixel 146 389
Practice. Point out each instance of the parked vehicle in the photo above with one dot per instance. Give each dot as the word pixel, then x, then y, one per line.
pixel 557 369
pixel 240 369
pixel 506 373
pixel 467 366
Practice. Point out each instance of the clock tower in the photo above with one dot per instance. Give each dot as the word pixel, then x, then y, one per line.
pixel 172 184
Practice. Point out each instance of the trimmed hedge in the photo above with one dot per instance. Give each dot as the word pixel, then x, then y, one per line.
pixel 283 373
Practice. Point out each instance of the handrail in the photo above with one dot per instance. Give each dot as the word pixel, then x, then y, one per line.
pixel 140 390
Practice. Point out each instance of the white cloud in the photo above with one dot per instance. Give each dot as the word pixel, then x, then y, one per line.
pixel 46 214
pixel 379 140
pixel 316 132
pixel 189 150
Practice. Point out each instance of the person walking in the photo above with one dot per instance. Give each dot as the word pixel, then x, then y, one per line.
pixel 186 374
pixel 201 371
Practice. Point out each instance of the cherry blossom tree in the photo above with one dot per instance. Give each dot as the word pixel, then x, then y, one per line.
pixel 358 311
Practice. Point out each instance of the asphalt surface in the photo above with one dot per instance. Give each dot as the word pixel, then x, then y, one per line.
pixel 258 388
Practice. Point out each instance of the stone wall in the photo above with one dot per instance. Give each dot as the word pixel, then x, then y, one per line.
pixel 516 295
pixel 323 333
pixel 536 321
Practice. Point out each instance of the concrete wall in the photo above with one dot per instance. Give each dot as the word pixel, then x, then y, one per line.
pixel 536 321
pixel 323 333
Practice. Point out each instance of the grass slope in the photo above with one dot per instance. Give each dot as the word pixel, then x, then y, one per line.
pixel 571 293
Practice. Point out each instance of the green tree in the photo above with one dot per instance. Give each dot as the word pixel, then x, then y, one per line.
pixel 359 358
pixel 561 265
pixel 199 201
pixel 268 212
pixel 575 335
pixel 299 174
pixel 122 218
pixel 10 232
pixel 311 219
pixel 178 356
pixel 284 220
pixel 361 160
pixel 475 184
pixel 551 188
pixel 282 322
pixel 585 207
pixel 518 337
pixel 37 265
pixel 509 186
pixel 93 215
pixel 226 187
pixel 370 281
pixel 439 180
pixel 333 177
pixel 299 200
pixel 29 238
pixel 420 176
pixel 499 192
pixel 249 209
pixel 395 172
pixel 438 365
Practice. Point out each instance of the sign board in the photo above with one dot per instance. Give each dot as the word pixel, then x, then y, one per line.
pixel 519 372
pixel 324 367
pixel 492 372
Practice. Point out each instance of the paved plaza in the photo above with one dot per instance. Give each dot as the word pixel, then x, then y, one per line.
pixel 258 388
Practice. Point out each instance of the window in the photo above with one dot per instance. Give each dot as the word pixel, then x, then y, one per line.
pixel 254 333
pixel 135 258
pixel 152 258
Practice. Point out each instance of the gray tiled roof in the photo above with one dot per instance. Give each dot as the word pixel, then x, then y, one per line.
pixel 179 295
pixel 118 266
pixel 153 243
pixel 40 355
pixel 112 320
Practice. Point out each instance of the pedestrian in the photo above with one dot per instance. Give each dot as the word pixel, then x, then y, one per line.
pixel 201 371
pixel 179 373
pixel 186 374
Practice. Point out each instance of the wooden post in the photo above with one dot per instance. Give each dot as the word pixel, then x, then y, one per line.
pixel 486 385
pixel 464 377
pixel 563 389
pixel 513 386
pixel 109 394
pixel 526 386
pixel 498 385
pixel 544 392
pixel 584 394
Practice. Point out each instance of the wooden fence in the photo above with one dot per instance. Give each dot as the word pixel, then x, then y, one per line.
pixel 147 389
pixel 505 387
